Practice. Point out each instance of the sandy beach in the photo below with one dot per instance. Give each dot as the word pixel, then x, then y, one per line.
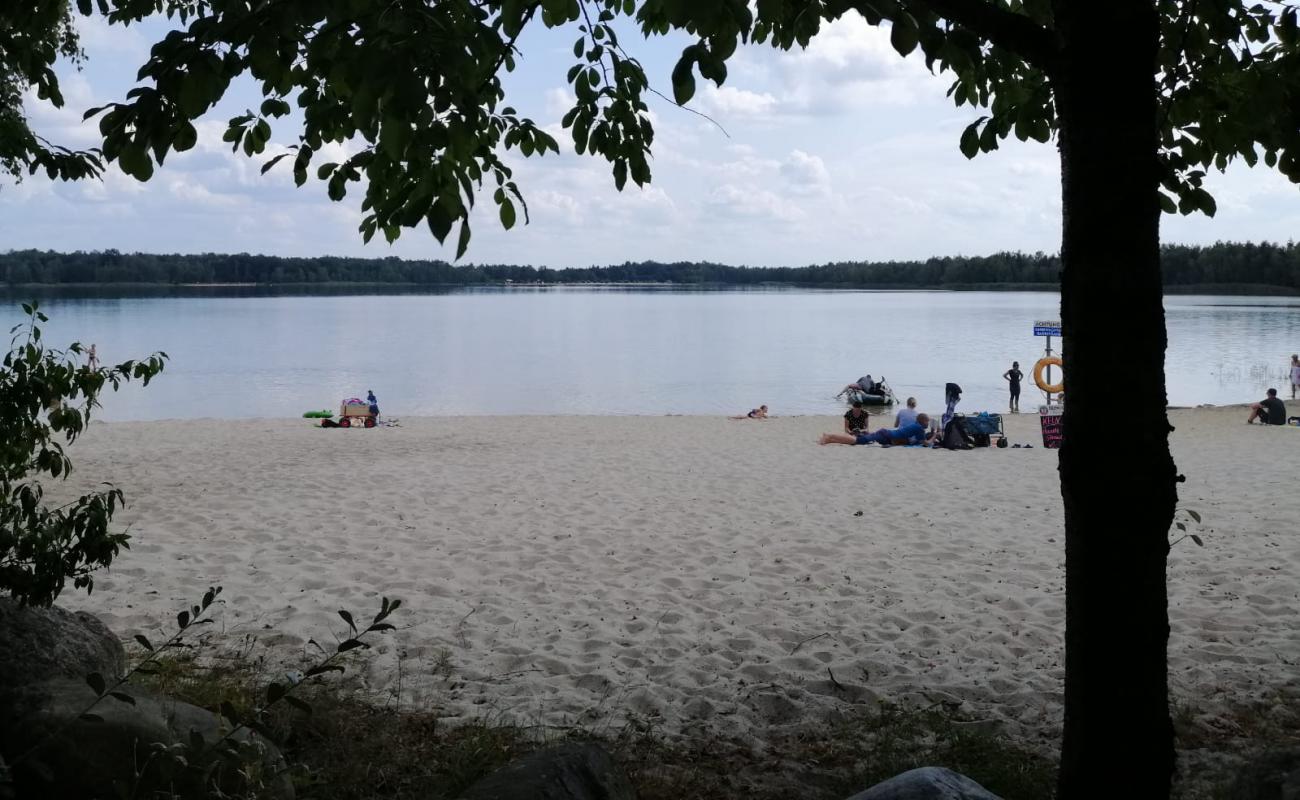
pixel 686 571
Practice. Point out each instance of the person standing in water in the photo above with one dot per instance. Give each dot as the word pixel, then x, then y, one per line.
pixel 1014 376
pixel 1295 375
pixel 92 359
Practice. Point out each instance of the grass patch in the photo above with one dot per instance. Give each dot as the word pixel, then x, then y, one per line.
pixel 347 749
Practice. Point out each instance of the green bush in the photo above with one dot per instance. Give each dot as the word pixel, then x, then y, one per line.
pixel 47 395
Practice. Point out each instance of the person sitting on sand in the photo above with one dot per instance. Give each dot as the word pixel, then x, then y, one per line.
pixel 1269 411
pixel 912 433
pixel 907 415
pixel 855 419
pixel 756 413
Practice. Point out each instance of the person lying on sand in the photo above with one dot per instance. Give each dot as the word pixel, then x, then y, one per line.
pixel 757 413
pixel 911 433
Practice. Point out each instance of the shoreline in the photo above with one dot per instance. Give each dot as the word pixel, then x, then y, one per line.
pixel 702 574
pixel 832 419
pixel 105 289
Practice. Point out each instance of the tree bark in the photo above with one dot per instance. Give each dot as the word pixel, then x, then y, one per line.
pixel 1119 489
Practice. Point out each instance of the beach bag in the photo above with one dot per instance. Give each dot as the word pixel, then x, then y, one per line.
pixel 984 423
pixel 955 436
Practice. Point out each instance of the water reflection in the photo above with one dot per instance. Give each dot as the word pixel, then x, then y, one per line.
pixel 259 352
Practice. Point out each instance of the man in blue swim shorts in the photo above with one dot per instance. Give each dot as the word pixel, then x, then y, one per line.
pixel 912 433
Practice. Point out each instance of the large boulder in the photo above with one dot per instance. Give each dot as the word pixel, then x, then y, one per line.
pixel 44 643
pixel 56 748
pixel 927 783
pixel 569 772
pixel 1272 776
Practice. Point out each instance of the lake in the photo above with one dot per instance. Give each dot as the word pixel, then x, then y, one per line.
pixel 238 353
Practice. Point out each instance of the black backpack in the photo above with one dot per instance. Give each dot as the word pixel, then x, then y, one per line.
pixel 955 436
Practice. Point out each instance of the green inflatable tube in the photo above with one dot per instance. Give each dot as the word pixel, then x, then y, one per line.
pixel 318 414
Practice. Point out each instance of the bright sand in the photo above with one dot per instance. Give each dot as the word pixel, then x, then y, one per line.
pixel 691 571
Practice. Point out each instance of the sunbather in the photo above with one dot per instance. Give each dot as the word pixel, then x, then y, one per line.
pixel 911 433
pixel 757 413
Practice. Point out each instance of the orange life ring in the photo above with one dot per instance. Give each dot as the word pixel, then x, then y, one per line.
pixel 1044 363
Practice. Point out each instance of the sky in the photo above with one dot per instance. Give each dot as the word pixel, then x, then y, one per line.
pixel 842 152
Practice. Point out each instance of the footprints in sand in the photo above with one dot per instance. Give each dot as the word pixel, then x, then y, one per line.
pixel 661 567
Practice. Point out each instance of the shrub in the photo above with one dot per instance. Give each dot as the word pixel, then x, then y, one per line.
pixel 46 395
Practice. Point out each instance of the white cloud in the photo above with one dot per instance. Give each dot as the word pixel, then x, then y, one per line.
pixel 729 101
pixel 558 102
pixel 729 200
pixel 806 173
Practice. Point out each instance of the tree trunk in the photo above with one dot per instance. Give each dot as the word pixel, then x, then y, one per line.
pixel 1119 488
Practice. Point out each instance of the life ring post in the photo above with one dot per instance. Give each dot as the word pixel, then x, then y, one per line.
pixel 1046 363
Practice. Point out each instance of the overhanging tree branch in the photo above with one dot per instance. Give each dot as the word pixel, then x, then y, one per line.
pixel 1006 29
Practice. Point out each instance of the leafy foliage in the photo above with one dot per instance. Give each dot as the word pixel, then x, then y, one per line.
pixel 45 393
pixel 33 35
pixel 414 88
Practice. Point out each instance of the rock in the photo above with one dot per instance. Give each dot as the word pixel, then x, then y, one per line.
pixel 91 757
pixel 570 772
pixel 1272 776
pixel 44 643
pixel 927 783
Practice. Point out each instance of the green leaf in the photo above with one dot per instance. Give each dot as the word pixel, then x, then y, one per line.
pixel 186 137
pixel 904 34
pixel 135 162
pixel 970 140
pixel 463 243
pixel 96 681
pixel 123 697
pixel 139 637
pixel 1198 541
pixel 507 214
pixel 347 617
pixel 683 80
pixel 272 162
pixel 1193 514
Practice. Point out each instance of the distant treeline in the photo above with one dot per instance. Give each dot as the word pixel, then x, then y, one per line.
pixel 1225 264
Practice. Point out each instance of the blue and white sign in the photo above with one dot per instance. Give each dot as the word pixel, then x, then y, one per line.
pixel 1046 327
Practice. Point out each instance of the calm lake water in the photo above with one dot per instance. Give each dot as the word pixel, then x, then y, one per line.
pixel 613 351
